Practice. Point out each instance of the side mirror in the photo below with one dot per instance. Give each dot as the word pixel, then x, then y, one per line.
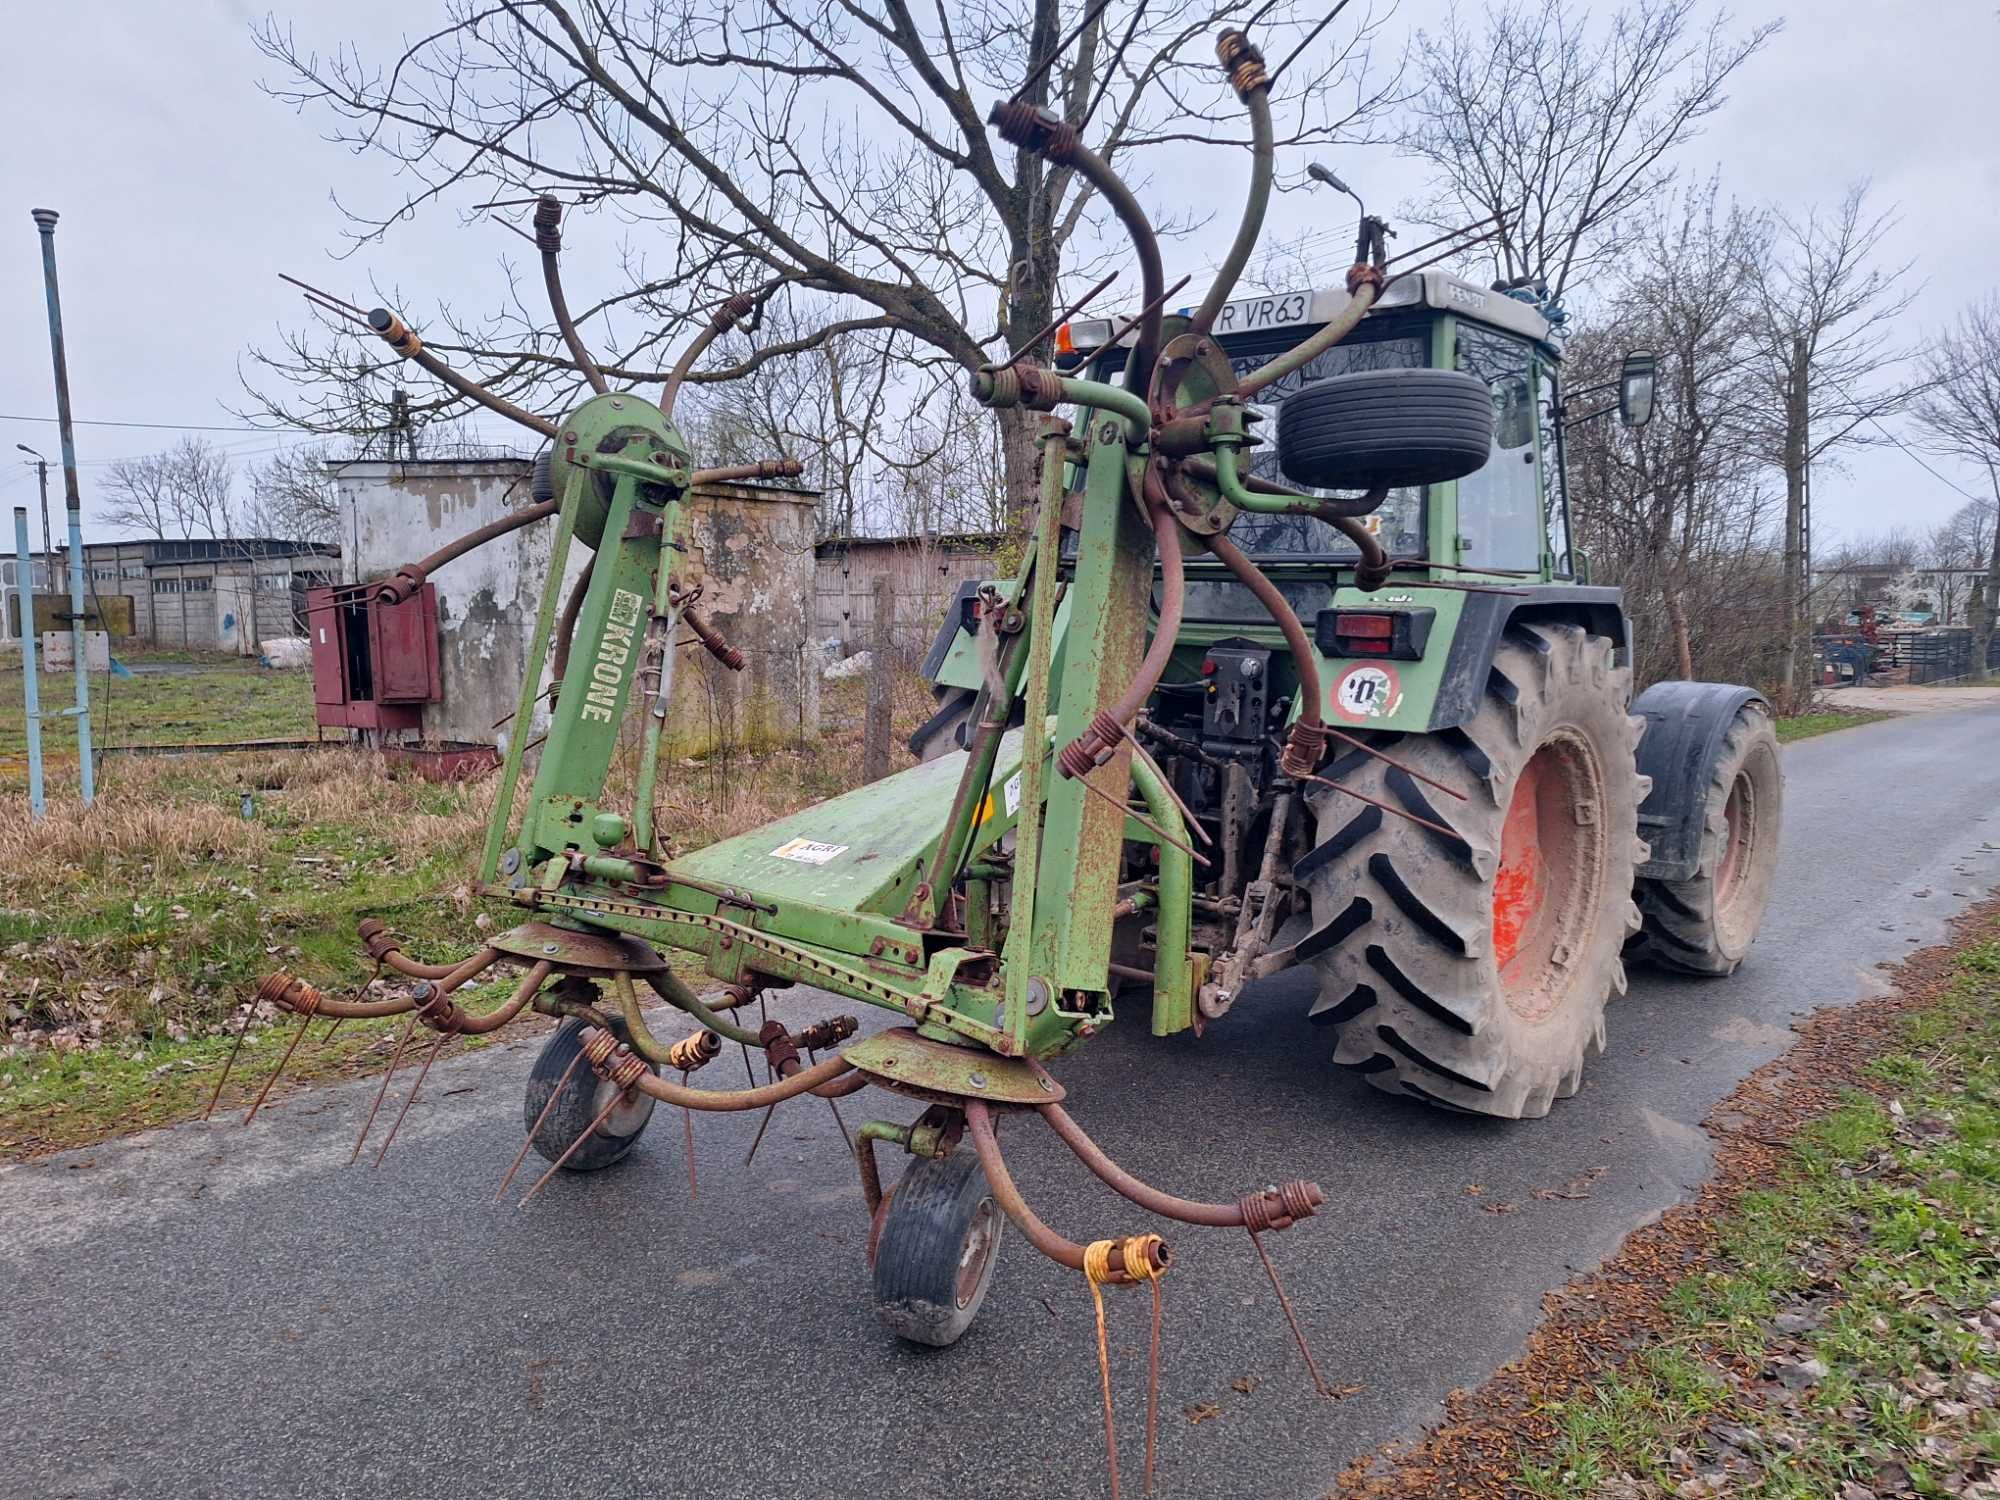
pixel 1636 384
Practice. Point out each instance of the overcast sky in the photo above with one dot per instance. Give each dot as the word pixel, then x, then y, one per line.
pixel 183 190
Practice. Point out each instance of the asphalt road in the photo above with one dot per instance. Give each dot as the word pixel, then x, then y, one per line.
pixel 215 1311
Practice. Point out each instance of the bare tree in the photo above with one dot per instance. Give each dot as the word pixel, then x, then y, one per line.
pixel 184 492
pixel 293 496
pixel 839 146
pixel 1960 413
pixel 1564 127
pixel 1679 498
pixel 1828 312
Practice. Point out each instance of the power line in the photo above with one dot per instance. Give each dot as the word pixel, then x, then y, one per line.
pixel 154 426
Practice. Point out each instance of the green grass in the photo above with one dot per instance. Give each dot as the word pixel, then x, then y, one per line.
pixel 1805 726
pixel 230 699
pixel 141 927
pixel 1876 1253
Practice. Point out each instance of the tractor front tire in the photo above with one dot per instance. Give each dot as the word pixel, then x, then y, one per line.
pixel 1471 969
pixel 1705 924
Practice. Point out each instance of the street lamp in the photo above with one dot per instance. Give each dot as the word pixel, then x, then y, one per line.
pixel 48 544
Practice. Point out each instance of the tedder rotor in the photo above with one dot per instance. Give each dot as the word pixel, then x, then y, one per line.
pixel 998 895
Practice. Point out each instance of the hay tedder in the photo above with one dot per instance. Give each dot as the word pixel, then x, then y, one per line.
pixel 1147 772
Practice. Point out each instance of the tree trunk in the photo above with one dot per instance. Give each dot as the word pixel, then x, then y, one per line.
pixel 1791 594
pixel 1677 627
pixel 1986 590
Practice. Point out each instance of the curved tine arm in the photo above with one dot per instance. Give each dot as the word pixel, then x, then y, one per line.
pixel 1056 141
pixel 412 576
pixel 1360 299
pixel 386 948
pixel 455 1020
pixel 827 1079
pixel 1308 734
pixel 1105 730
pixel 726 317
pixel 548 240
pixel 1325 507
pixel 763 468
pixel 1245 66
pixel 1280 1206
pixel 986 1144
pixel 398 336
pixel 566 622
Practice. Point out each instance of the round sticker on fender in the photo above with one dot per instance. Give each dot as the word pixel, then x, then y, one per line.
pixel 1367 692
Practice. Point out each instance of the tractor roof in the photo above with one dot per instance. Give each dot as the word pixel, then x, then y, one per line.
pixel 1306 310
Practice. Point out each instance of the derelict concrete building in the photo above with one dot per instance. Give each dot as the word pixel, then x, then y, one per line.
pixel 751 545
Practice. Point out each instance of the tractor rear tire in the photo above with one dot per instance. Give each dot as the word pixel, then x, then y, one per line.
pixel 583 1097
pixel 1471 969
pixel 1704 925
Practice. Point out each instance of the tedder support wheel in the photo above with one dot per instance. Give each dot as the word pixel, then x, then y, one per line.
pixel 940 1240
pixel 1706 923
pixel 583 1097
pixel 1471 970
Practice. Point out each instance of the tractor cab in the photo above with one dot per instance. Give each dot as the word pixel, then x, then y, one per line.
pixel 1510 515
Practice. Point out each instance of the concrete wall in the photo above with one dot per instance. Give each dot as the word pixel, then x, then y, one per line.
pixel 926 575
pixel 752 545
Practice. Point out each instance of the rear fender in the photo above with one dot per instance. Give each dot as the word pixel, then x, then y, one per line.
pixel 1685 723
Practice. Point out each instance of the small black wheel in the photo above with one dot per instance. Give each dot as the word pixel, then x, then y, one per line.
pixel 582 1098
pixel 1373 428
pixel 940 1240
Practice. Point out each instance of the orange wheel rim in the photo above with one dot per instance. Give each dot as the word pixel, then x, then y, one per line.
pixel 1549 882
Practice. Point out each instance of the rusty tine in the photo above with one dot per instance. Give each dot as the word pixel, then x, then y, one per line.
pixel 603 1115
pixel 536 1128
pixel 298 1036
pixel 687 1128
pixel 748 1076
pixel 1153 1388
pixel 422 1073
pixel 1390 760
pixel 1193 823
pixel 1143 821
pixel 834 1105
pixel 1450 833
pixel 395 1062
pixel 249 1011
pixel 1298 1333
pixel 761 1128
pixel 1057 322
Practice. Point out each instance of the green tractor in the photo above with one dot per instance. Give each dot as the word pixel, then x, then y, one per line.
pixel 1552 829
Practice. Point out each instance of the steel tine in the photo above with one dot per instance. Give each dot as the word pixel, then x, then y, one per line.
pixel 834 1105
pixel 687 1128
pixel 395 1061
pixel 769 1110
pixel 1389 807
pixel 536 1128
pixel 1143 821
pixel 242 1031
pixel 1389 760
pixel 305 1021
pixel 415 1088
pixel 1153 1388
pixel 555 1167
pixel 1284 1302
pixel 1187 813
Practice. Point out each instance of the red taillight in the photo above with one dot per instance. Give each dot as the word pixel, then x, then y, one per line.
pixel 1374 627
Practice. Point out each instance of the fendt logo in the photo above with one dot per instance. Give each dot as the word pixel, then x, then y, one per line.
pixel 614 650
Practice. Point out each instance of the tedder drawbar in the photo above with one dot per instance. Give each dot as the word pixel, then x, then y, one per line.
pixel 1146 772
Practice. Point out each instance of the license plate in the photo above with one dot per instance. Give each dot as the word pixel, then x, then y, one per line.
pixel 1255 313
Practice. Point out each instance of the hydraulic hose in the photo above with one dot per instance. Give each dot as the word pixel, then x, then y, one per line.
pixel 548 240
pixel 1245 66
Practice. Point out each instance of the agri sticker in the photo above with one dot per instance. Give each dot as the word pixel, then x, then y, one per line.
pixel 1367 692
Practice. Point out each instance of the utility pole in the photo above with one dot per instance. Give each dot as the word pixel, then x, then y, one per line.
pixel 24 595
pixel 48 546
pixel 1798 439
pixel 45 221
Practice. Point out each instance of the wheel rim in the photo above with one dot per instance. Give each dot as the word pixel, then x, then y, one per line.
pixel 1739 815
pixel 629 1118
pixel 980 1238
pixel 1550 880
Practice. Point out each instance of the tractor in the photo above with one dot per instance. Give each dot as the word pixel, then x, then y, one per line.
pixel 1339 700
pixel 1551 830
